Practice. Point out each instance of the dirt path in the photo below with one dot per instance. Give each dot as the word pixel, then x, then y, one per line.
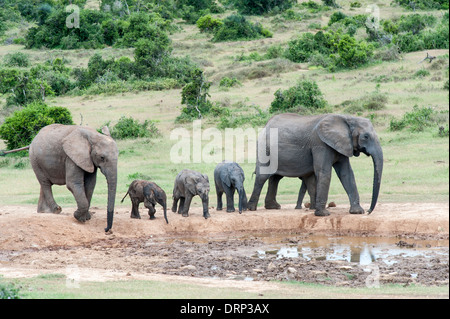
pixel 31 244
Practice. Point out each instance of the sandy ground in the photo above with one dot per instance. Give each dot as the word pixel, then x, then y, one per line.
pixel 32 244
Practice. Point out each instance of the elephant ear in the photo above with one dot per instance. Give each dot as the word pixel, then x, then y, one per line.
pixel 335 132
pixel 190 184
pixel 78 149
pixel 225 177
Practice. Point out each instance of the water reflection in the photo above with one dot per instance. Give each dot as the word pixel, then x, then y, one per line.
pixel 362 253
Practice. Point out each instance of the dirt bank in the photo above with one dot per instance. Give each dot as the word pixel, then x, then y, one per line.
pixel 21 227
pixel 225 246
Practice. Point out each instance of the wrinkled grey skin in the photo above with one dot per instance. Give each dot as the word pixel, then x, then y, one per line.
pixel 189 183
pixel 313 145
pixel 70 155
pixel 228 177
pixel 149 193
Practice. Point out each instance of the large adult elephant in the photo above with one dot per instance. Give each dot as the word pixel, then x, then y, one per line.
pixel 70 155
pixel 310 146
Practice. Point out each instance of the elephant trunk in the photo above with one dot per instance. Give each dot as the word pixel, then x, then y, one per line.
pixel 377 157
pixel 205 203
pixel 242 200
pixel 112 186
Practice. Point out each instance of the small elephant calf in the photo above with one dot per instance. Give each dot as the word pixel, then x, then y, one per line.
pixel 149 193
pixel 228 177
pixel 189 183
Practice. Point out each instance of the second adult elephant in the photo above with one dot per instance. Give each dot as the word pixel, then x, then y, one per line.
pixel 313 145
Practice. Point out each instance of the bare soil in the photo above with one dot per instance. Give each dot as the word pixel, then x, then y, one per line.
pixel 224 246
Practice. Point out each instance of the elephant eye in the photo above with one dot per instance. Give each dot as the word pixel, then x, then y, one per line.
pixel 366 136
pixel 102 158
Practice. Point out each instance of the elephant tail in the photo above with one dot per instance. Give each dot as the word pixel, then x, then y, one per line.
pixel 3 153
pixel 124 197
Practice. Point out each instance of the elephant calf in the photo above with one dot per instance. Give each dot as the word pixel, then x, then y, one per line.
pixel 189 183
pixel 149 193
pixel 228 177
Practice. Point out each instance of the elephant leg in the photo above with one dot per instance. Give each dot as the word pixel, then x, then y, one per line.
pixel 260 180
pixel 301 195
pixel 271 196
pixel 186 205
pixel 46 202
pixel 181 206
pixel 345 173
pixel 174 205
pixel 230 199
pixel 75 183
pixel 89 184
pixel 322 170
pixel 135 208
pixel 219 199
pixel 311 188
pixel 152 212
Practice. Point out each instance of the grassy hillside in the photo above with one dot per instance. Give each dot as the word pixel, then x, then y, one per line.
pixel 416 163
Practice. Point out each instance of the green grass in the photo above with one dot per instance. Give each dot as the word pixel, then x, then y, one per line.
pixel 54 286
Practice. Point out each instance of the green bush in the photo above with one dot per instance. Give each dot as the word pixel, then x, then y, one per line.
pixel 19 59
pixel 8 291
pixel 21 127
pixel 208 24
pixel 236 27
pixel 258 7
pixel 227 82
pixel 195 96
pixel 306 94
pixel 128 127
pixel 416 120
pixel 424 4
pixel 343 49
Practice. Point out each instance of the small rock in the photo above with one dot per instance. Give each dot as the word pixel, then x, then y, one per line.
pixel 291 270
pixel 257 270
pixel 331 204
pixel 188 267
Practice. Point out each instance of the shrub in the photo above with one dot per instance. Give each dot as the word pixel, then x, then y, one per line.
pixel 344 50
pixel 305 94
pixel 227 82
pixel 8 291
pixel 415 121
pixel 21 127
pixel 195 96
pixel 208 24
pixel 17 59
pixel 258 7
pixel 237 27
pixel 128 127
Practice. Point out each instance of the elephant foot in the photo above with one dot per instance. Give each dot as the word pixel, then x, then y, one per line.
pixel 356 209
pixel 82 216
pixel 251 205
pixel 230 210
pixel 184 214
pixel 273 205
pixel 218 208
pixel 298 206
pixel 207 215
pixel 152 217
pixel 57 210
pixel 322 212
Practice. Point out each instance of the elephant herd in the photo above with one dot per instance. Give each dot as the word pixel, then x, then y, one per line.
pixel 306 147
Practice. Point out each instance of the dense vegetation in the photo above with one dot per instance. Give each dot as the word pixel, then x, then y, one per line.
pixel 145 26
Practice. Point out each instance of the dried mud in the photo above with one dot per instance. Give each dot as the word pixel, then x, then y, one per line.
pixel 230 246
